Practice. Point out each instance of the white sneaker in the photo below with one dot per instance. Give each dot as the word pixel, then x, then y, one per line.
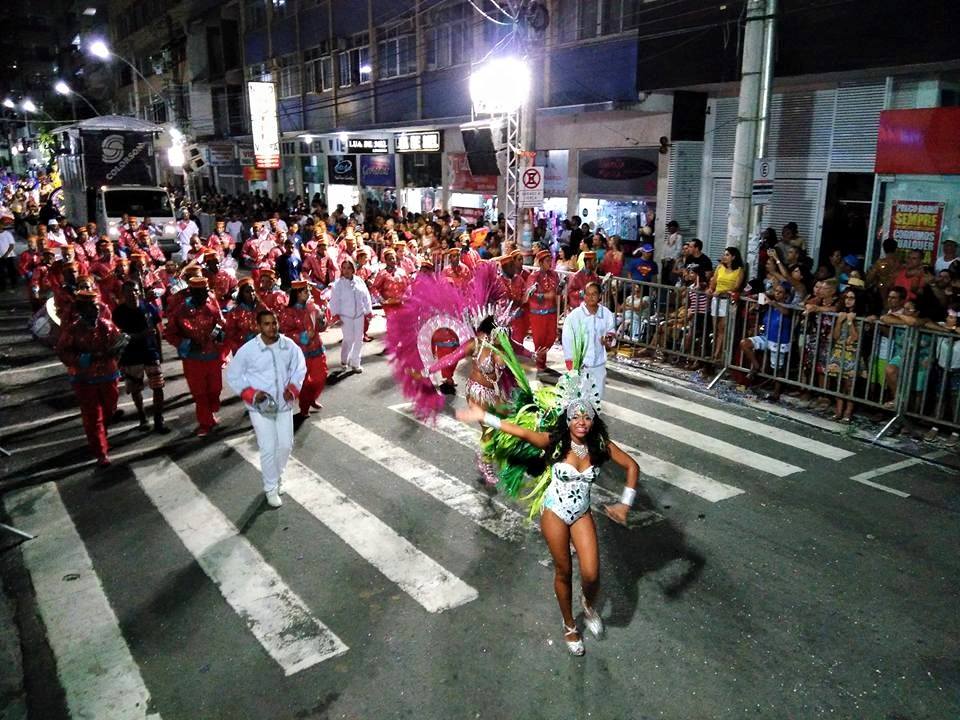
pixel 273 499
pixel 343 366
pixel 357 369
pixel 280 490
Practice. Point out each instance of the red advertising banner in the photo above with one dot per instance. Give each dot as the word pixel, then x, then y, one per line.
pixel 462 179
pixel 915 225
pixel 254 173
pixel 919 142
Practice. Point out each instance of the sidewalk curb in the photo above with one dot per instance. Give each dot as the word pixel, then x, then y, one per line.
pixel 13 697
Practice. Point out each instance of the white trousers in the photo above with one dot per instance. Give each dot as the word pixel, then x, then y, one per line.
pixel 352 340
pixel 599 375
pixel 275 438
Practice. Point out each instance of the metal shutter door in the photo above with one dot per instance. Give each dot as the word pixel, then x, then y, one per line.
pixel 683 186
pixel 797 200
pixel 716 241
pixel 855 124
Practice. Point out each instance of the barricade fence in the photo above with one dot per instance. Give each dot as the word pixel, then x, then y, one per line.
pixel 907 370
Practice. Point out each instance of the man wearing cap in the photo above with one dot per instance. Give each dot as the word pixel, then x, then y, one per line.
pixel 220 240
pixel 241 315
pixel 317 267
pixel 515 281
pixel 366 273
pixel 196 328
pixel 350 302
pixel 642 267
pixel 106 260
pixel 578 283
pixel 541 292
pixel 390 283
pixel 270 295
pixel 88 346
pixel 221 283
pixel 40 287
pixel 8 258
pixel 456 272
pixel 55 234
pixel 111 286
pixel 140 320
pixel 948 257
pixel 267 373
pixel 150 285
pixel 28 261
pixel 303 321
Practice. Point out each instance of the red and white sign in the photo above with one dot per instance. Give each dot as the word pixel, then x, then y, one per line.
pixel 531 187
pixel 462 179
pixel 916 225
pixel 264 124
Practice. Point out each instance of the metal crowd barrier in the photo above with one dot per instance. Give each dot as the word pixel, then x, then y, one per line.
pixel 672 322
pixel 934 366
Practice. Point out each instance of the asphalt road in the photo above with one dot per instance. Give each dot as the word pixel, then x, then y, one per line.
pixel 758 578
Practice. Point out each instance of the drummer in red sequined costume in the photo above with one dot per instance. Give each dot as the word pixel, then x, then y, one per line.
pixel 541 289
pixel 578 283
pixel 88 346
pixel 303 321
pixel 196 328
pixel 456 272
pixel 241 315
pixel 515 280
pixel 269 293
pixel 221 283
pixel 390 283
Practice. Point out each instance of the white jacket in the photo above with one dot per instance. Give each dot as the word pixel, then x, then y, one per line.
pixel 350 298
pixel 270 368
pixel 595 326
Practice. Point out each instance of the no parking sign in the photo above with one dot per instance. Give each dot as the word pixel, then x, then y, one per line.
pixel 531 187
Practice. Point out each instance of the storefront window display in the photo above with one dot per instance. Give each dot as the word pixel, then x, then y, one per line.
pixel 616 217
pixel 919 212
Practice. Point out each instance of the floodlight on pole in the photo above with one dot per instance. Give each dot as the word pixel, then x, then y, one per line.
pixel 100 49
pixel 500 86
pixel 28 105
pixel 8 103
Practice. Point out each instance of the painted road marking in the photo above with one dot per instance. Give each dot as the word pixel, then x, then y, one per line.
pixel 422 578
pixel 272 611
pixel 704 443
pixel 30 368
pixel 886 469
pixel 793 440
pixel 99 676
pixel 694 483
pixel 489 513
pixel 878 486
pixel 82 439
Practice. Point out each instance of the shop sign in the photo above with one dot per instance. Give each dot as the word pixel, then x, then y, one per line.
pixel 462 179
pixel 118 157
pixel 916 225
pixel 221 153
pixel 367 145
pixel 254 173
pixel 627 171
pixel 264 125
pixel 531 187
pixel 919 142
pixel 246 155
pixel 764 173
pixel 342 169
pixel 377 170
pixel 417 142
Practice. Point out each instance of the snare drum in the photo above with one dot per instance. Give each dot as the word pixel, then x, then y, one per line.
pixel 45 324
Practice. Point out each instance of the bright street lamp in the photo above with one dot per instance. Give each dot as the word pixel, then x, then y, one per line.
pixel 8 103
pixel 500 86
pixel 62 88
pixel 28 105
pixel 100 49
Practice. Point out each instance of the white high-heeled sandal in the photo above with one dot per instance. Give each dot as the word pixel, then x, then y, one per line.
pixel 574 646
pixel 592 619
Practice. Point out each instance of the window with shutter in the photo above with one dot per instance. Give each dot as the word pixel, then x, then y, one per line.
pixel 683 186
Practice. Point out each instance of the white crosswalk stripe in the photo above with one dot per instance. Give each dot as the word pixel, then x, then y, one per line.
pixel 272 611
pixel 422 578
pixel 766 430
pixel 489 513
pixel 99 676
pixel 703 443
pixel 694 483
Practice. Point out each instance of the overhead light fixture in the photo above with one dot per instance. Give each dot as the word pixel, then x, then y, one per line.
pixel 90 11
pixel 500 86
pixel 8 103
pixel 365 69
pixel 61 87
pixel 307 138
pixel 28 105
pixel 100 49
pixel 343 137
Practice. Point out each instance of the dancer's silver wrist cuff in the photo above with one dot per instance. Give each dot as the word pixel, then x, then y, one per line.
pixel 491 420
pixel 628 496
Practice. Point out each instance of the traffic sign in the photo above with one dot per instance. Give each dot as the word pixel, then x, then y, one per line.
pixel 531 187
pixel 764 174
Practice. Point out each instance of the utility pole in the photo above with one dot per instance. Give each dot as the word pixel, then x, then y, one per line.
pixel 766 92
pixel 748 115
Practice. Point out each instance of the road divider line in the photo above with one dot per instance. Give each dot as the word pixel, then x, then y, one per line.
pixel 687 480
pixel 784 437
pixel 878 486
pixel 489 513
pixel 97 672
pixel 886 469
pixel 272 611
pixel 703 443
pixel 422 578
